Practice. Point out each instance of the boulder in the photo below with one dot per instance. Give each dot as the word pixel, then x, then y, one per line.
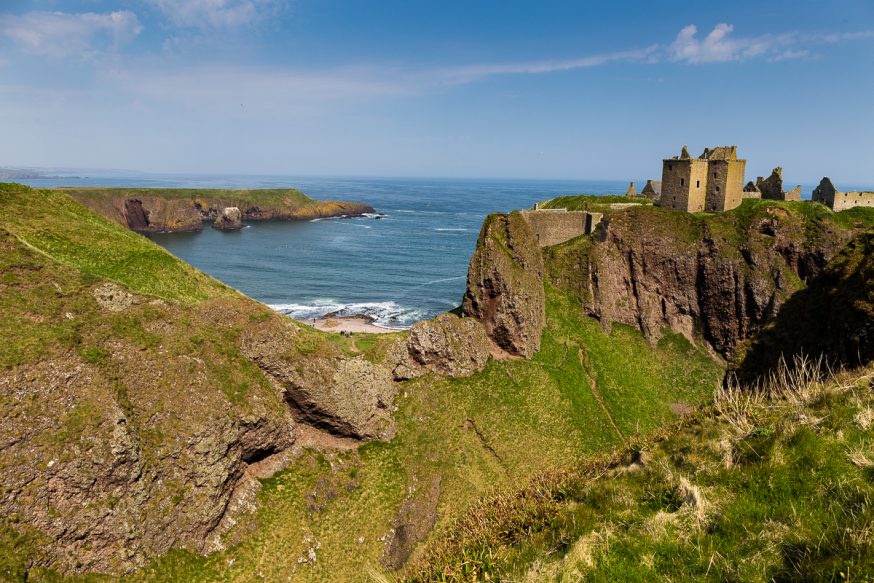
pixel 505 285
pixel 231 219
pixel 447 345
pixel 347 397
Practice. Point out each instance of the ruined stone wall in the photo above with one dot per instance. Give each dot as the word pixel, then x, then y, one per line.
pixel 684 184
pixel 552 227
pixel 847 200
pixel 828 195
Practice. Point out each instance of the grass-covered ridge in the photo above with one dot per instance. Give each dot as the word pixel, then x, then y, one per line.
pixel 246 197
pixel 777 486
pixel 54 224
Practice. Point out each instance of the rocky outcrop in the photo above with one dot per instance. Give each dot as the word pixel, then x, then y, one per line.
pixel 447 345
pixel 505 285
pixel 231 219
pixel 716 279
pixel 348 397
pixel 831 319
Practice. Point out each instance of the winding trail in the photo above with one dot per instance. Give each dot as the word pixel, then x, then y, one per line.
pixel 597 394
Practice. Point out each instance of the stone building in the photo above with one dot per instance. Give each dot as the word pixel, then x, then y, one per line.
pixel 771 188
pixel 827 194
pixel 652 190
pixel 712 182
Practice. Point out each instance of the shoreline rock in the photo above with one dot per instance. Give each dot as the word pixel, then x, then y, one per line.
pixel 231 219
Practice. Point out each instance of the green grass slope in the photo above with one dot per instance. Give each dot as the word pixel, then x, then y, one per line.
pixel 57 226
pixel 478 436
pixel 775 486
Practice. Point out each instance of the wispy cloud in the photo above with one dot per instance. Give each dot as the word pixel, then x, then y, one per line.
pixel 721 46
pixel 470 73
pixel 217 13
pixel 61 34
pixel 256 90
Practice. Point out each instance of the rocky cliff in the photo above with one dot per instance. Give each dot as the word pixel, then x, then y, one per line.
pixel 150 210
pixel 505 285
pixel 140 397
pixel 716 278
pixel 832 319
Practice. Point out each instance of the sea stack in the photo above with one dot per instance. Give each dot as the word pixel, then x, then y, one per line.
pixel 231 219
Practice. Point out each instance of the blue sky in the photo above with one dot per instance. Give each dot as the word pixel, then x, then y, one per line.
pixel 547 89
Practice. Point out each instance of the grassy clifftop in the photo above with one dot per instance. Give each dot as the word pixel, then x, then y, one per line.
pixel 55 225
pixel 185 209
pixel 775 486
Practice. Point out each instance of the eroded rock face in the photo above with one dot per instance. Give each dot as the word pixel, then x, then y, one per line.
pixel 447 345
pixel 655 272
pixel 231 219
pixel 124 452
pixel 348 397
pixel 505 285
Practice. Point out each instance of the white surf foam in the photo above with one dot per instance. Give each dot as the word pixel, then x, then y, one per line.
pixel 384 314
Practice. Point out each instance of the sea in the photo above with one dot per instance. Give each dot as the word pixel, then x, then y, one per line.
pixel 404 263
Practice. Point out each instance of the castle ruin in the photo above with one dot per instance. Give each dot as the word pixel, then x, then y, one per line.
pixel 827 194
pixel 712 182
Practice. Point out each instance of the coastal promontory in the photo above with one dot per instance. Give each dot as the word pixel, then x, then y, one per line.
pixel 159 210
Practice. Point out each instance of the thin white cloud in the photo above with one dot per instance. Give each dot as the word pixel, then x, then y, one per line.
pixel 217 13
pixel 469 73
pixel 721 46
pixel 256 90
pixel 61 34
pixel 791 54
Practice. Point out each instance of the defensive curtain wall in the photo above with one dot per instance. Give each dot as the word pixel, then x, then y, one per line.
pixel 554 226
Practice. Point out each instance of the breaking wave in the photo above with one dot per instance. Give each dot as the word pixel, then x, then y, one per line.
pixel 384 314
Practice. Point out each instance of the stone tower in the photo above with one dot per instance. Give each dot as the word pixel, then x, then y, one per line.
pixel 712 182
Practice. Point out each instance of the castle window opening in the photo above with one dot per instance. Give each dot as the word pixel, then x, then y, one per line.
pixel 682 181
pixel 717 189
pixel 697 184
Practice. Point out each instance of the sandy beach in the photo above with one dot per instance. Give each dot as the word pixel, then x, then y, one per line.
pixel 353 325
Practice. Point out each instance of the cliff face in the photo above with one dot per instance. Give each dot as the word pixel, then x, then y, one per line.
pixel 716 278
pixel 833 318
pixel 152 210
pixel 141 398
pixel 505 285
